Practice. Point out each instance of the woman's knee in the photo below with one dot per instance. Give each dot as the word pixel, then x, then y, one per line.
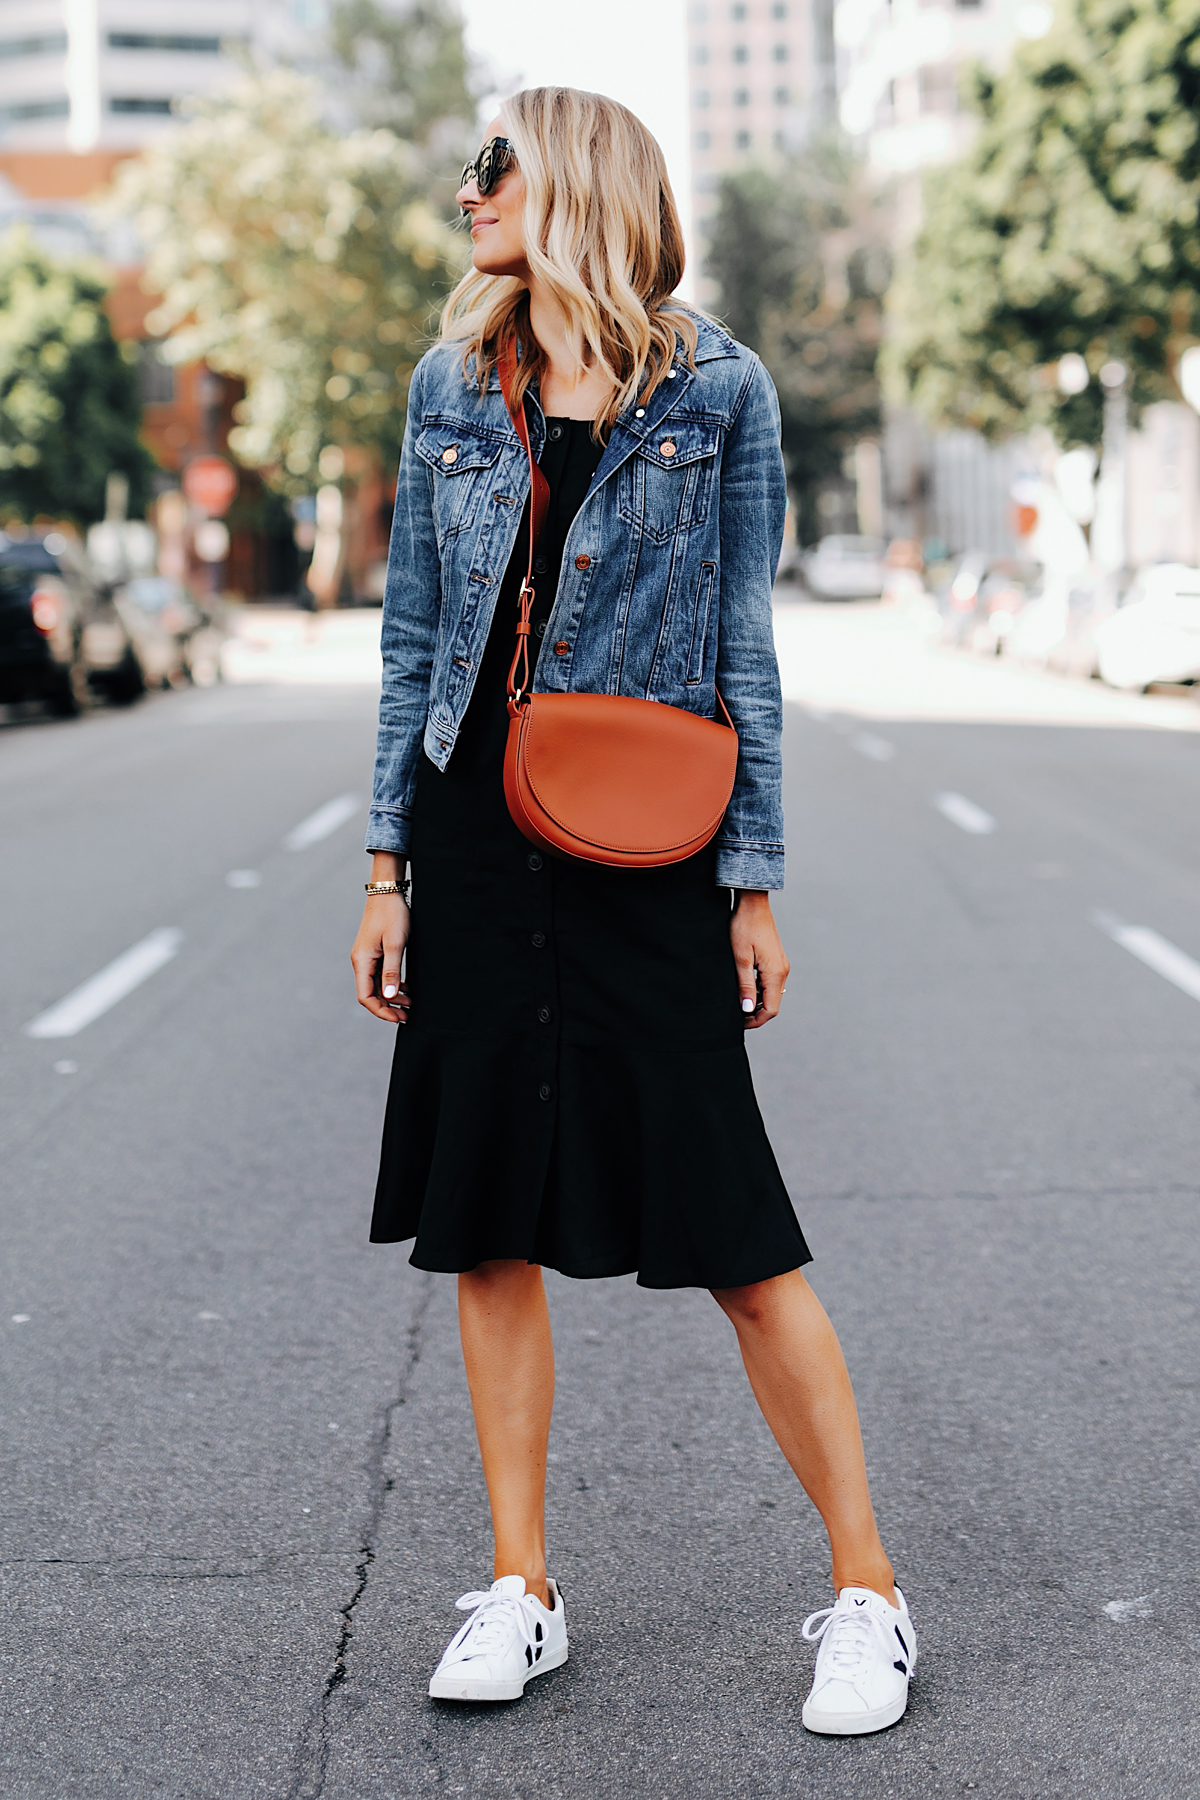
pixel 758 1303
pixel 497 1280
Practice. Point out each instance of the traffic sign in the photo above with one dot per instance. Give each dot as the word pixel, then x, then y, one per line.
pixel 210 483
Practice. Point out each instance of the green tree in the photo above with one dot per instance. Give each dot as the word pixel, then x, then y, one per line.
pixel 308 265
pixel 798 258
pixel 69 406
pixel 1071 225
pixel 409 69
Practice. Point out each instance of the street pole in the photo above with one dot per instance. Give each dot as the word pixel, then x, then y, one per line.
pixel 1109 532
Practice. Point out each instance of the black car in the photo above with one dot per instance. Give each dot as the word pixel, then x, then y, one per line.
pixel 61 639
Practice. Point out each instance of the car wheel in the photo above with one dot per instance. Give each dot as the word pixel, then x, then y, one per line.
pixel 62 701
pixel 127 683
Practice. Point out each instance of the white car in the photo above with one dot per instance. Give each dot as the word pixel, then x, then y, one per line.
pixel 1155 635
pixel 845 568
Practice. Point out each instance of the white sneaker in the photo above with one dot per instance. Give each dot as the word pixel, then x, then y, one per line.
pixel 867 1656
pixel 509 1638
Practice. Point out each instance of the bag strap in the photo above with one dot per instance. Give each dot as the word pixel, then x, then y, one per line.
pixel 539 502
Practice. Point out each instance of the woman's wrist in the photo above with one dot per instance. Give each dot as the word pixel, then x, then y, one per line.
pixel 751 900
pixel 386 865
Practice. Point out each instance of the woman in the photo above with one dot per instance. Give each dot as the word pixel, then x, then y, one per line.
pixel 570 1085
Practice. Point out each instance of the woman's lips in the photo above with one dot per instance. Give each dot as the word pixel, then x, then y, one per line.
pixel 479 224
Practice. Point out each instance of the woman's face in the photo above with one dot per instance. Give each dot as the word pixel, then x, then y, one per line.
pixel 497 242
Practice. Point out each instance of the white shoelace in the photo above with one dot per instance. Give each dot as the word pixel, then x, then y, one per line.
pixel 492 1619
pixel 849 1640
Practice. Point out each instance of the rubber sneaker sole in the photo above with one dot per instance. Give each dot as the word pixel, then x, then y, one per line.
pixel 450 1687
pixel 843 1724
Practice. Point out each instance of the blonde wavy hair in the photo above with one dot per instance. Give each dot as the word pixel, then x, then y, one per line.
pixel 603 234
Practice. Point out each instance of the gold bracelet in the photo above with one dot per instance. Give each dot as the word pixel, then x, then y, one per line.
pixel 402 888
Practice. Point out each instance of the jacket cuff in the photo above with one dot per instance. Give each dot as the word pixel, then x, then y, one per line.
pixel 750 865
pixel 388 829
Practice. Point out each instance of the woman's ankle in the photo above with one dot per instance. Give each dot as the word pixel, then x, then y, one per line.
pixel 533 1577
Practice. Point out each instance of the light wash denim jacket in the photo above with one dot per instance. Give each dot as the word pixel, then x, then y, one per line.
pixel 665 585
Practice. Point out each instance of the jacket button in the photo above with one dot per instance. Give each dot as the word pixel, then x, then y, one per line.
pixel 539 565
pixel 534 860
pixel 667 447
pixel 540 627
pixel 583 562
pixel 640 413
pixel 544 1091
pixel 544 1014
pixel 450 455
pixel 538 940
pixel 555 433
pixel 561 648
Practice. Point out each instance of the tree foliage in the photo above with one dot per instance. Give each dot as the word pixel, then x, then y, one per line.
pixel 798 259
pixel 69 406
pixel 409 69
pixel 308 264
pixel 1072 225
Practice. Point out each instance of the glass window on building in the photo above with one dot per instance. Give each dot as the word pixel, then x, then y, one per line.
pixel 738 12
pixel 139 103
pixel 742 140
pixel 164 40
pixel 703 140
pixel 778 52
pixel 782 96
pixel 156 379
pixel 700 13
pixel 740 53
pixel 741 96
pixel 779 10
pixel 701 97
pixel 700 54
pixel 46 43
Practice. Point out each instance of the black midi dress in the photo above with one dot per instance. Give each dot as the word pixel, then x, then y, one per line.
pixel 572 1087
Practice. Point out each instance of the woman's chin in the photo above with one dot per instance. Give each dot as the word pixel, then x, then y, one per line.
pixel 493 264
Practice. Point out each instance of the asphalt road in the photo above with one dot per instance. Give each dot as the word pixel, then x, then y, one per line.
pixel 238 1487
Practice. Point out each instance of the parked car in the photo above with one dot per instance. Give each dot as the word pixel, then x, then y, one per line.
pixel 982 599
pixel 175 638
pixel 1155 635
pixel 60 637
pixel 845 568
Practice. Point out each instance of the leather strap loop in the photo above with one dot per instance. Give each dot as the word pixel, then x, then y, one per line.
pixel 539 505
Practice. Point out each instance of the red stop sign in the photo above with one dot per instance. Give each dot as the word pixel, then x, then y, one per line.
pixel 210 483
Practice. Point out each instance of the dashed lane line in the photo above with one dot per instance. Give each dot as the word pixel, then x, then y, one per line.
pixel 94 997
pixel 322 823
pixel 877 748
pixel 1158 953
pixel 964 813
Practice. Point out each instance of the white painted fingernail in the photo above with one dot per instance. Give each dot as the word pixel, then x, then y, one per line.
pixel 388 992
pixel 747 1006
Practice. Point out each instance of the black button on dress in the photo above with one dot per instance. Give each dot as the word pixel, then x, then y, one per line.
pixel 572 1087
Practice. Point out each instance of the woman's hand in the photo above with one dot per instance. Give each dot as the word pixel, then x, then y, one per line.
pixel 762 963
pixel 378 951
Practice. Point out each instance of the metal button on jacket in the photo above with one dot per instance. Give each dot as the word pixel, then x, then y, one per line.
pixel 582 561
pixel 450 455
pixel 555 433
pixel 544 1015
pixel 561 648
pixel 667 447
pixel 534 860
pixel 544 1091
pixel 541 627
pixel 538 940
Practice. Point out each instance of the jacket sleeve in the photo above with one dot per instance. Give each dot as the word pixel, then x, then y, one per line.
pixel 753 505
pixel 411 610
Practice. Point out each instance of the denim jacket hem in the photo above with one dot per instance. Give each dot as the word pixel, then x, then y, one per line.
pixel 750 865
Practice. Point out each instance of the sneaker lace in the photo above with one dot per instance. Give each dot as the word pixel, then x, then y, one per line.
pixel 492 1619
pixel 848 1637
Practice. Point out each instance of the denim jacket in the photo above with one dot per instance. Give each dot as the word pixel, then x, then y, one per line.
pixel 665 587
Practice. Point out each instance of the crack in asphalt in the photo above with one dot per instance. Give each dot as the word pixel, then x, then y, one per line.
pixel 312 1757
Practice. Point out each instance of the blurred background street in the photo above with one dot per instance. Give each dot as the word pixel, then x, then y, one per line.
pixel 238 1487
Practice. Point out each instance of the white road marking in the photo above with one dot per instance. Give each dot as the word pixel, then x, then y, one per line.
pixel 964 813
pixel 1156 952
pixel 1120 1610
pixel 243 878
pixel 323 823
pixel 110 985
pixel 21 1318
pixel 208 1315
pixel 877 748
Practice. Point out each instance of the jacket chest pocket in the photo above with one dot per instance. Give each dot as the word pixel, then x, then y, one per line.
pixel 462 465
pixel 666 485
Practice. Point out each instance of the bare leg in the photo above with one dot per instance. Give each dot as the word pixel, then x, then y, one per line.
pixel 799 1377
pixel 509 1355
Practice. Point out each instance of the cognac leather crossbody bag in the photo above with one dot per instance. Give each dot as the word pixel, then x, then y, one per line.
pixel 605 777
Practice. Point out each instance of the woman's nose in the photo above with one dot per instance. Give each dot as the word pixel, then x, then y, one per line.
pixel 469 195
